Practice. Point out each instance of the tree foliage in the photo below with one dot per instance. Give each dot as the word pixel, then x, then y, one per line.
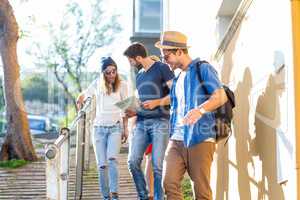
pixel 72 44
pixel 35 88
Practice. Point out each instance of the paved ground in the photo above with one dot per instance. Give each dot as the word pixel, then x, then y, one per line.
pixel 29 182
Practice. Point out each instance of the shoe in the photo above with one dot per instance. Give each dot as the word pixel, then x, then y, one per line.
pixel 114 196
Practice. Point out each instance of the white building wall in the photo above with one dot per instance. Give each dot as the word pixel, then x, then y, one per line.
pixel 197 20
pixel 264 135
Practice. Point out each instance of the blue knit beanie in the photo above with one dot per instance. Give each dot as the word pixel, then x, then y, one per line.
pixel 106 61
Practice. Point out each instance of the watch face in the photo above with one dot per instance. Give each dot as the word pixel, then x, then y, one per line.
pixel 202 110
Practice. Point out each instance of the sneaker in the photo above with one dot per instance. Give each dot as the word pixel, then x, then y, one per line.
pixel 114 196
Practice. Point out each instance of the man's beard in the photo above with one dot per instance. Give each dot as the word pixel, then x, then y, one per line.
pixel 136 70
pixel 138 66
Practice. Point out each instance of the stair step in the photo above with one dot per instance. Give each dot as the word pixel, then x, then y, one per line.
pixel 29 182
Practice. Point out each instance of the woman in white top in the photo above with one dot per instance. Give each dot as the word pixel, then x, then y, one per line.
pixel 110 125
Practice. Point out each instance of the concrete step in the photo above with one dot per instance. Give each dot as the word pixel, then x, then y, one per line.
pixel 29 182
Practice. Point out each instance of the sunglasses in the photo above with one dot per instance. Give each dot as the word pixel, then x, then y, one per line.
pixel 110 72
pixel 165 56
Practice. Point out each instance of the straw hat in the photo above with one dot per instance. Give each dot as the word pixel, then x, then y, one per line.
pixel 172 40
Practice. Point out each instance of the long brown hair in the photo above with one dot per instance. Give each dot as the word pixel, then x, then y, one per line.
pixel 105 84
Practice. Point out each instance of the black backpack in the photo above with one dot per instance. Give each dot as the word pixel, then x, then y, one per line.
pixel 224 113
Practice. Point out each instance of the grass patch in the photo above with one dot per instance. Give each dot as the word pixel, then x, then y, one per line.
pixel 12 164
pixel 39 146
pixel 187 189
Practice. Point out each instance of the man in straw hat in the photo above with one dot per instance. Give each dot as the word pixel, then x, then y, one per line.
pixel 192 134
pixel 152 124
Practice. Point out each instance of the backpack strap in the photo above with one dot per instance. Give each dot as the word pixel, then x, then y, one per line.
pixel 198 65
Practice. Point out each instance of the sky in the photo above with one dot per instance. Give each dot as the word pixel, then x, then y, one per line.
pixel 199 24
pixel 50 11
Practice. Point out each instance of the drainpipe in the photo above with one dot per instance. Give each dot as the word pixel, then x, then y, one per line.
pixel 296 47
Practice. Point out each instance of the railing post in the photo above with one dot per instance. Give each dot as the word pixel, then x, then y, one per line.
pixel 52 177
pixel 57 159
pixel 64 165
pixel 90 115
pixel 87 141
pixel 79 155
pixel 57 169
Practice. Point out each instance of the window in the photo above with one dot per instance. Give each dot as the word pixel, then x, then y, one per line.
pixel 148 16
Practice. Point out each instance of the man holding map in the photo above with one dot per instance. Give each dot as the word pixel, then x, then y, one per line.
pixel 152 125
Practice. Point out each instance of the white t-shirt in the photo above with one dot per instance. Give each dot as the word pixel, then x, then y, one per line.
pixel 179 92
pixel 107 114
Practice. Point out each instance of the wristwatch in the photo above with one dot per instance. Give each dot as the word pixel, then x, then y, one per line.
pixel 202 110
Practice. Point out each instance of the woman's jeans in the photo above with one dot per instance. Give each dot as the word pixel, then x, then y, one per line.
pixel 107 143
pixel 155 131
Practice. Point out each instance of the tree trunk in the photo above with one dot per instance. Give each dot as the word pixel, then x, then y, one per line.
pixel 18 144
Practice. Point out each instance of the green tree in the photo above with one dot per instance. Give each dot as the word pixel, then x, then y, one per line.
pixel 72 44
pixel 35 88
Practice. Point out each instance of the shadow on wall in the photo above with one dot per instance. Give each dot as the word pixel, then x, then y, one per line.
pixel 242 135
pixel 222 182
pixel 267 119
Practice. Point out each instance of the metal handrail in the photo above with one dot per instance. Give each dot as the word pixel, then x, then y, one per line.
pixel 81 112
pixel 65 132
pixel 52 149
pixel 57 156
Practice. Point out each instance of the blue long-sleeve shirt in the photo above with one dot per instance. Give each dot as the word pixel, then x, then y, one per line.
pixel 195 95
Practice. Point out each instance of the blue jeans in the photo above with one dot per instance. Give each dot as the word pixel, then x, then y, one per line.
pixel 107 143
pixel 155 131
